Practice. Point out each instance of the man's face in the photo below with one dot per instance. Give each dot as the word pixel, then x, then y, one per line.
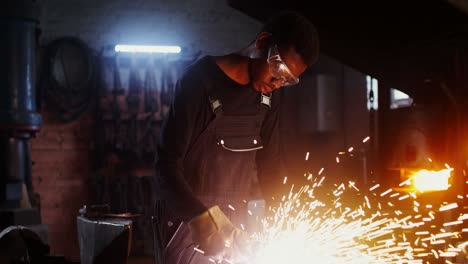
pixel 282 67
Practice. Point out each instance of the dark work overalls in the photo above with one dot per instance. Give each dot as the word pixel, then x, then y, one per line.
pixel 223 171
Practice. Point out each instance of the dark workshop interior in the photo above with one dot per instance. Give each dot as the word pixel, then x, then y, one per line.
pixel 80 119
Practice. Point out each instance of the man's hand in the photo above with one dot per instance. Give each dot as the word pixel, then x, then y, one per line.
pixel 215 234
pixel 240 249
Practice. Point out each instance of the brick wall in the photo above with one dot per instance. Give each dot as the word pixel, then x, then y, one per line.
pixel 62 153
pixel 61 166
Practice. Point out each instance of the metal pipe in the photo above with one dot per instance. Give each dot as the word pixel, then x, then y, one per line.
pixel 18 117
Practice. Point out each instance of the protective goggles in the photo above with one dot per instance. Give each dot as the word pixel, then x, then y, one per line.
pixel 279 69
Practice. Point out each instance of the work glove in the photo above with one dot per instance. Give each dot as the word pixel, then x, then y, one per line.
pixel 214 233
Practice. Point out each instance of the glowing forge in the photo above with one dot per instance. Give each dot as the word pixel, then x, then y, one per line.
pixel 425 180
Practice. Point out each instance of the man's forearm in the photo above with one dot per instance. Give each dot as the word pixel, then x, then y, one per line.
pixel 178 194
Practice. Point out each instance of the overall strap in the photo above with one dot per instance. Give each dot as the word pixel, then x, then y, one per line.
pixel 213 98
pixel 216 104
pixel 265 103
pixel 265 99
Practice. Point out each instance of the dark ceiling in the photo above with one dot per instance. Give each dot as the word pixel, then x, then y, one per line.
pixel 410 45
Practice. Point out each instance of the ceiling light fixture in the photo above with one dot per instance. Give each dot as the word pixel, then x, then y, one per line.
pixel 147 48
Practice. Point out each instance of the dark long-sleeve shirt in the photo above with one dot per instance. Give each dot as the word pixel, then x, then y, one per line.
pixel 190 113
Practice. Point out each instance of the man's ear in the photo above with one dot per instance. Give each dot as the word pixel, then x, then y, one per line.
pixel 263 41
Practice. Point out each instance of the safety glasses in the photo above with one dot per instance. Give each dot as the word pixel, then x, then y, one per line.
pixel 279 69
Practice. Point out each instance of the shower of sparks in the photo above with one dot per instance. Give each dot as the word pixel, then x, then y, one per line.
pixel 304 229
pixel 199 250
pixel 321 170
pixel 350 149
pixel 365 139
pixel 386 192
pixel 448 207
pixel 307 156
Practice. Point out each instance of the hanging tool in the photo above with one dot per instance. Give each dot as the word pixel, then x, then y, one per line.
pixel 116 109
pixel 150 88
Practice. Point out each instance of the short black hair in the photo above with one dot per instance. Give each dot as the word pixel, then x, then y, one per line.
pixel 290 28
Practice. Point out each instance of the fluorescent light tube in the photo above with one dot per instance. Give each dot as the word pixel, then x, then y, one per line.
pixel 147 48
